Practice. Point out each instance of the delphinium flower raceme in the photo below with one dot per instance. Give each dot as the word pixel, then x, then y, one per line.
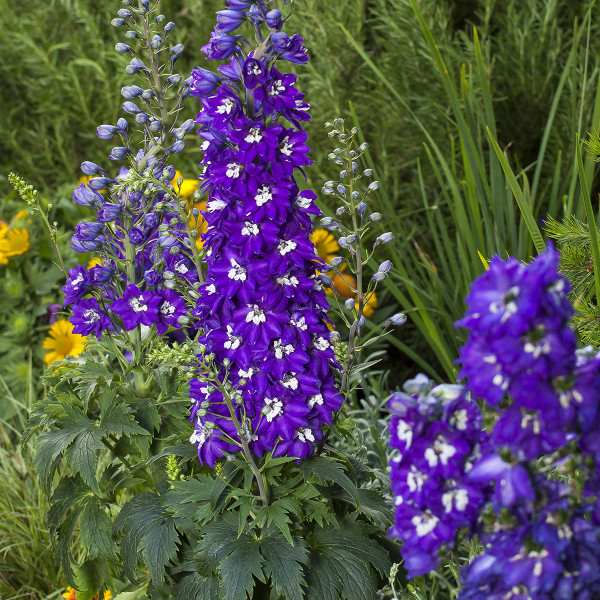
pixel 437 433
pixel 538 471
pixel 139 235
pixel 261 307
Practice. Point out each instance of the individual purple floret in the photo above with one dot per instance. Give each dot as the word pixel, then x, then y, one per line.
pixel 261 306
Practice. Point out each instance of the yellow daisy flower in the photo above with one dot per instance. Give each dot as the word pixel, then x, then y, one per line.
pixel 12 242
pixel 325 243
pixel 62 342
pixel 187 190
pixel 345 286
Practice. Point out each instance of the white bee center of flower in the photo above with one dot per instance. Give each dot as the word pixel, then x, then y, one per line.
pixel 286 147
pixel 277 88
pixel 215 205
pixel 458 498
pixel 286 246
pixel 234 341
pixel 256 70
pixel 226 107
pixel 318 399
pixel 440 453
pixel 459 419
pixel 263 196
pixel 321 344
pixel 287 280
pixel 303 202
pixel 425 523
pixel 166 308
pixel 254 136
pixel 250 229
pixel 136 304
pixel 415 479
pixel 233 170
pixel 305 434
pixel 246 374
pixel 256 315
pixel 299 324
pixel 200 436
pixel 91 316
pixel 237 273
pixel 204 146
pixel 211 289
pixel 75 283
pixel 181 268
pixel 290 381
pixel 274 408
pixel 404 432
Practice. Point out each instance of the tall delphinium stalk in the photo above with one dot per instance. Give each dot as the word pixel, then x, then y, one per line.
pixel 262 306
pixel 139 233
pixel 529 489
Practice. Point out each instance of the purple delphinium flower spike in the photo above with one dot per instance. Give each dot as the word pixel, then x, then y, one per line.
pixel 261 307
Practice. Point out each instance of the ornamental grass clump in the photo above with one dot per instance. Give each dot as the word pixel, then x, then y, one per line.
pixel 528 489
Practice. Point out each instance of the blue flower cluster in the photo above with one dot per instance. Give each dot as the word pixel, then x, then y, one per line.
pixel 262 307
pixel 137 235
pixel 540 532
pixel 437 433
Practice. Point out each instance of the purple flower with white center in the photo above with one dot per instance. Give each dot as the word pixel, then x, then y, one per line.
pixel 89 318
pixel 171 307
pixel 78 284
pixel 261 307
pixel 136 307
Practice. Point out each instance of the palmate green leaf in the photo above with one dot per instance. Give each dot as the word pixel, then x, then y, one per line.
pixel 95 530
pixel 189 499
pixel 329 469
pixel 118 420
pixel 69 493
pixel 218 539
pixel 134 595
pixel 63 546
pixel 277 513
pixel 239 568
pixel 53 444
pixel 197 587
pixel 149 531
pixel 283 564
pixel 345 560
pixel 82 456
pixel 92 577
pixel 374 506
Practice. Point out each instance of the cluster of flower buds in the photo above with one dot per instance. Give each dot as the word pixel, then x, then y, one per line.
pixel 538 471
pixel 137 237
pixel 262 309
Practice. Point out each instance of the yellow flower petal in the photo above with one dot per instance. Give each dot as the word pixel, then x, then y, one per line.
pixel 14 242
pixel 62 342
pixel 345 286
pixel 325 243
pixel 188 186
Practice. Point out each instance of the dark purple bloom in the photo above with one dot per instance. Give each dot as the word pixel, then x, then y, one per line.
pixel 136 307
pixel 77 284
pixel 171 307
pixel 84 196
pixel 88 318
pixel 254 72
pixel 109 212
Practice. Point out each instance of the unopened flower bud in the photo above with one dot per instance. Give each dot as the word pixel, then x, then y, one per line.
pixel 343 174
pixel 118 153
pixel 397 319
pixel 155 42
pixel 124 13
pixel 326 221
pixel 385 238
pixel 374 185
pixel 183 320
pixel 361 209
pixel 160 19
pixel 350 303
pixel 117 22
pixel 341 190
pixel 131 91
pixel 174 79
pixel 177 147
pixel 169 27
pixel 141 118
pixel 379 276
pixel 131 107
pixel 336 261
pixel 375 217
pixel 155 126
pixel 121 48
pixel 367 173
pixel 90 168
pixel 351 238
pixel 340 211
pixel 131 35
pixel 106 132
